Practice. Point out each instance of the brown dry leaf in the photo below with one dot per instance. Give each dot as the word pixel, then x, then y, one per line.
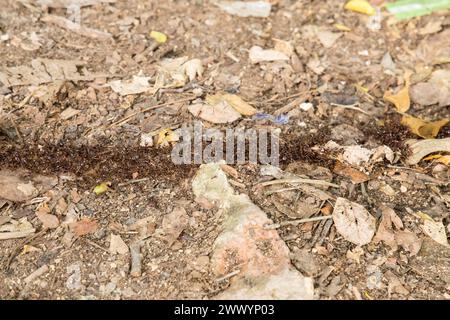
pixel 400 99
pixel 424 129
pixel 174 223
pixel 395 285
pixel 233 100
pixel 353 222
pixel 408 241
pixel 218 113
pixel 284 46
pixel 385 232
pixel 48 220
pixel 435 230
pixel 84 226
pixel 44 71
pixel 355 175
pixel 14 188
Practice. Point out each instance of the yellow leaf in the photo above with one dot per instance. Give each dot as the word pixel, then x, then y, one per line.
pixel 101 188
pixel 158 36
pixel 401 100
pixel 439 158
pixel 233 100
pixel 342 27
pixel 424 129
pixel 424 216
pixel 361 6
pixel 27 249
pixel 166 136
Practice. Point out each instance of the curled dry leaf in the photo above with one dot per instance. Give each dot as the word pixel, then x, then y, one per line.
pixel 361 6
pixel 420 149
pixel 408 241
pixel 193 68
pixel 84 226
pixel 48 220
pixel 353 222
pixel 424 129
pixel 401 99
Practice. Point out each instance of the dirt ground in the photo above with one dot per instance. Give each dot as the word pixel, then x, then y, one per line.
pixel 70 134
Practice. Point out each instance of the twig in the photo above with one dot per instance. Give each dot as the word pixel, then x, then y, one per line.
pixel 352 107
pixel 229 275
pixel 19 247
pixel 299 180
pixel 295 222
pixel 36 274
pixel 132 181
pixel 127 118
pixel 16 234
pixel 135 252
pixel 92 243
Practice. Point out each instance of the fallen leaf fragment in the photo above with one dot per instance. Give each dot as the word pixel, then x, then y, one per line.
pixel 424 129
pixel 385 232
pixel 158 36
pixel 422 148
pixel 342 27
pixel 174 223
pixel 101 188
pixel 328 38
pixel 353 222
pixel 401 99
pixel 246 9
pixel 233 100
pixel 436 231
pixel 117 245
pixel 218 113
pixel 84 226
pixel 258 54
pixel 166 136
pixel 408 241
pixel 48 220
pixel 193 68
pixel 15 188
pixel 355 175
pixel 137 84
pixel 361 6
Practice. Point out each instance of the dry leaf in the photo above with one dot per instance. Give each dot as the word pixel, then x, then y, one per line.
pixel 14 188
pixel 400 99
pixel 355 175
pixel 328 38
pixel 101 188
pixel 385 232
pixel 219 113
pixel 166 136
pixel 158 36
pixel 361 6
pixel 193 68
pixel 233 100
pixel 420 149
pixel 408 241
pixel 353 222
pixel 355 155
pixel 284 46
pixel 436 231
pixel 84 226
pixel 424 129
pixel 258 54
pixel 174 223
pixel 44 71
pixel 117 245
pixel 48 220
pixel 135 85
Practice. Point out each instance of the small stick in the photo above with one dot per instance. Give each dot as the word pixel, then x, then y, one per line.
pixel 351 107
pixel 295 222
pixel 132 181
pixel 127 118
pixel 36 274
pixel 135 252
pixel 92 243
pixel 16 234
pixel 229 275
pixel 299 180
